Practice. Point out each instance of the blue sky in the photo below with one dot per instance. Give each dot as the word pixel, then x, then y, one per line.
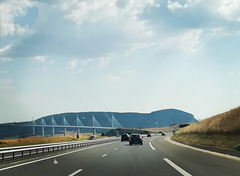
pixel 126 56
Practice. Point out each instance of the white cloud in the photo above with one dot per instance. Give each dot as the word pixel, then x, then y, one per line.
pixel 96 10
pixel 104 61
pixel 6 85
pixel 92 11
pixel 187 42
pixel 8 11
pixel 5 48
pixel 86 61
pixel 75 64
pixel 114 78
pixel 4 71
pixel 42 59
pixel 230 9
pixel 72 64
pixel 140 45
pixel 5 59
pixel 219 32
pixel 176 5
pixel 157 5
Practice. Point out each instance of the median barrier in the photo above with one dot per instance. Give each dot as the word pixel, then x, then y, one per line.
pixel 12 153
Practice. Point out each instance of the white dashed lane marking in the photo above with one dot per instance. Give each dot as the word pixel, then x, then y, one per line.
pixel 179 169
pixel 76 172
pixel 104 155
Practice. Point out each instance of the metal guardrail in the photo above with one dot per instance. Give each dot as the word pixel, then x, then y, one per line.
pixel 31 146
pixel 23 151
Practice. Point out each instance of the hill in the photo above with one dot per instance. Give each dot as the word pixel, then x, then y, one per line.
pixel 222 131
pixel 226 123
pixel 161 118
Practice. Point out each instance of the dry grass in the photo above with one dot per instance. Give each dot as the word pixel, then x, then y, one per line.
pixel 222 131
pixel 39 140
pixel 225 123
pixel 215 140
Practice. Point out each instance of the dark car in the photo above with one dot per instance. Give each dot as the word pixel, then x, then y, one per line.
pixel 91 138
pixel 124 137
pixel 148 135
pixel 135 139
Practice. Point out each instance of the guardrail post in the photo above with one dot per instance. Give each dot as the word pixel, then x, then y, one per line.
pixel 2 157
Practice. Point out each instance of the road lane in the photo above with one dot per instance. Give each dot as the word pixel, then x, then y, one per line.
pixel 119 158
pixel 133 160
pixel 197 163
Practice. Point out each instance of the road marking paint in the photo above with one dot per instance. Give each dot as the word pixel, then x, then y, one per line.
pixel 76 172
pixel 151 140
pixel 151 146
pixel 168 139
pixel 51 157
pixel 115 149
pixel 104 155
pixel 180 170
pixel 55 161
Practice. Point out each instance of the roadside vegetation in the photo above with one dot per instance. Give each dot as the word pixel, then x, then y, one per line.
pixel 221 131
pixel 39 140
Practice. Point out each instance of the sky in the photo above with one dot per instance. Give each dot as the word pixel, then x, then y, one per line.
pixel 121 55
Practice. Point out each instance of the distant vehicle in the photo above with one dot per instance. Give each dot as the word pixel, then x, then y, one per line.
pixel 149 135
pixel 91 138
pixel 124 137
pixel 135 138
pixel 163 134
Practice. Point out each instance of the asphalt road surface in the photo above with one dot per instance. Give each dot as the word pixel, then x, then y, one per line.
pixel 156 157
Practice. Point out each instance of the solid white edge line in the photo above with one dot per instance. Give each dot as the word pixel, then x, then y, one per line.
pixel 104 155
pixel 115 149
pixel 43 159
pixel 179 169
pixel 76 172
pixel 168 139
pixel 151 146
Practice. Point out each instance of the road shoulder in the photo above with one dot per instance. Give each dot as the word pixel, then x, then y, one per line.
pixel 208 150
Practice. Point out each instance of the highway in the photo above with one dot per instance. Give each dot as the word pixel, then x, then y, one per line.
pixel 156 157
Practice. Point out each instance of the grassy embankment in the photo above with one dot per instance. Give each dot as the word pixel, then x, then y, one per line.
pixel 39 140
pixel 221 131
